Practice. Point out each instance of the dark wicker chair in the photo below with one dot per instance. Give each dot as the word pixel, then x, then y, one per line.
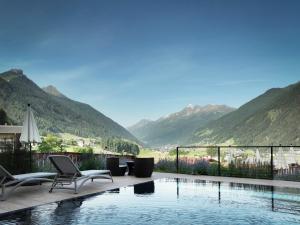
pixel 143 167
pixel 112 164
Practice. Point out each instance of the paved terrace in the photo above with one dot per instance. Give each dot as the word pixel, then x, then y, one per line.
pixel 30 196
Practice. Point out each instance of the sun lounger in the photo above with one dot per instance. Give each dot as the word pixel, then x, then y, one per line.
pixel 68 173
pixel 15 181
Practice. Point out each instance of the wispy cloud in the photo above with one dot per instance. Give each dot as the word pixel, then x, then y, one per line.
pixel 75 73
pixel 159 67
pixel 69 74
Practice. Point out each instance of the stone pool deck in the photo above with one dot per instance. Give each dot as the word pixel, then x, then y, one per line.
pixel 30 196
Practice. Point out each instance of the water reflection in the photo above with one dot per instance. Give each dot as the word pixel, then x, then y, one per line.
pixel 219 192
pixel 144 188
pixel 177 186
pixel 69 204
pixel 272 197
pixel 67 211
pixel 282 199
pixel 116 191
pixel 23 217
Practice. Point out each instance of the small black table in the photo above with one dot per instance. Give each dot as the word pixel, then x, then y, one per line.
pixel 130 165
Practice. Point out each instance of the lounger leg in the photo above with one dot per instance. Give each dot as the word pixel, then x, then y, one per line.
pixel 75 184
pixel 111 177
pixel 53 185
pixel 3 192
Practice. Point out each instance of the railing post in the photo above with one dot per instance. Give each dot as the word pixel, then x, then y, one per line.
pixel 272 174
pixel 219 161
pixel 177 159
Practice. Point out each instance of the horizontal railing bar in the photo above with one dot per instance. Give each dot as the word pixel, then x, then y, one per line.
pixel 239 146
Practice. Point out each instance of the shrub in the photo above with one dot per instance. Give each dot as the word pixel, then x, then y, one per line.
pixel 51 143
pixel 213 169
pixel 247 170
pixel 165 165
pixel 201 167
pixel 212 151
pixel 89 161
pixel 185 167
pixel 85 150
pixel 169 165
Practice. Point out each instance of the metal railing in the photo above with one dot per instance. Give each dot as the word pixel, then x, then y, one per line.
pixel 270 162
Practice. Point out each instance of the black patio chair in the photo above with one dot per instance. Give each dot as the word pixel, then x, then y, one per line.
pixel 112 164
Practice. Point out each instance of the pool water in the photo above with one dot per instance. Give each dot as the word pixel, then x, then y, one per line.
pixel 172 201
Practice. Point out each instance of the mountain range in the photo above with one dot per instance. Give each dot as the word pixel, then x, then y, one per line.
pixel 271 118
pixel 54 112
pixel 177 128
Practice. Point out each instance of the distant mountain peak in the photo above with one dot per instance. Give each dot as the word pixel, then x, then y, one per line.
pixel 195 109
pixel 190 106
pixel 16 71
pixel 11 74
pixel 50 89
pixel 141 123
pixel 176 128
pixel 145 120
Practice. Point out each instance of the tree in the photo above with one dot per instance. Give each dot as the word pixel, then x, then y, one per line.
pixel 3 117
pixel 212 151
pixel 120 146
pixel 51 143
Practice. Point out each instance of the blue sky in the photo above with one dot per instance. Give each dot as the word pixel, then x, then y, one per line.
pixel 144 59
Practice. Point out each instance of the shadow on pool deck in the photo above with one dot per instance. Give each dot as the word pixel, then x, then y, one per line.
pixel 30 196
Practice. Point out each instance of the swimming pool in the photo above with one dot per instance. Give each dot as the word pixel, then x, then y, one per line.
pixel 172 201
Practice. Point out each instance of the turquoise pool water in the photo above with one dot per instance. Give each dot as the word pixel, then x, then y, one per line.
pixel 172 201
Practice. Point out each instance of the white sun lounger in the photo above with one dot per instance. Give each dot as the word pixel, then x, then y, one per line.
pixel 15 181
pixel 68 173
